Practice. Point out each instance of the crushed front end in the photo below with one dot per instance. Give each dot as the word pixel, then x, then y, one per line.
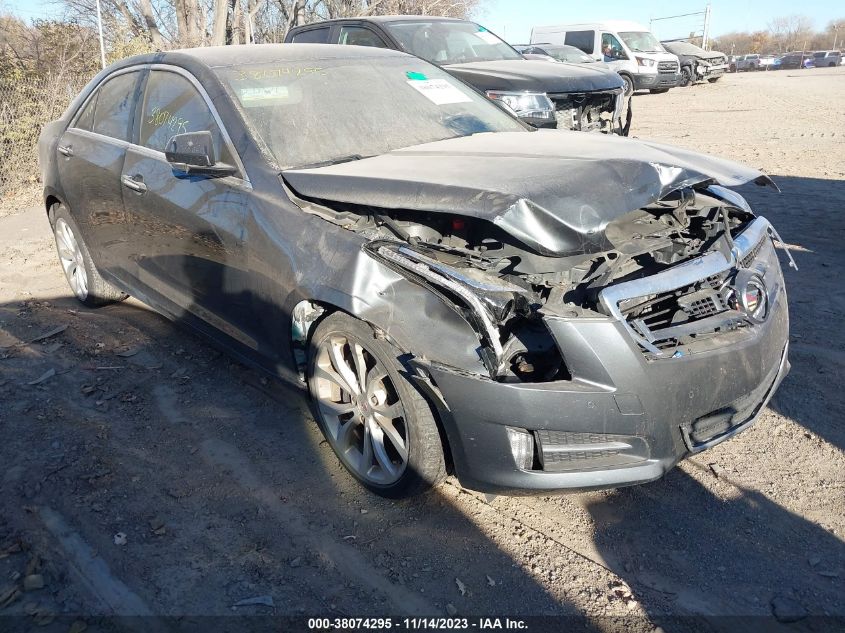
pixel 606 367
pixel 598 111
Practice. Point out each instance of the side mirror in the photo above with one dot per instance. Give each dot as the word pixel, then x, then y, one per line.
pixel 193 153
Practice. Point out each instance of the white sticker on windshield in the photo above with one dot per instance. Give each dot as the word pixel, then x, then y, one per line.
pixel 439 91
pixel 262 94
pixel 487 37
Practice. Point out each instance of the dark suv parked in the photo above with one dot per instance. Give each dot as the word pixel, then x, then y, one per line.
pixel 567 96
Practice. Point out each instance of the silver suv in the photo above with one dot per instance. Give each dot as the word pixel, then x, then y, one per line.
pixel 827 58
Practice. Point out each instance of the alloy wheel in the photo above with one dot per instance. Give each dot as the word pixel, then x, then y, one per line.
pixel 361 411
pixel 73 262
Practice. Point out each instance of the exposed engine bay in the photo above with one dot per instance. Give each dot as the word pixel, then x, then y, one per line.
pixel 503 288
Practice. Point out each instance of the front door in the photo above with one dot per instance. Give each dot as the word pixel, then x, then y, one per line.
pixel 187 230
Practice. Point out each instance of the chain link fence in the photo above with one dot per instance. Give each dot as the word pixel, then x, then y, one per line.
pixel 25 106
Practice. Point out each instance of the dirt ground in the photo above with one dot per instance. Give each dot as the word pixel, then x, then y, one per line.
pixel 145 473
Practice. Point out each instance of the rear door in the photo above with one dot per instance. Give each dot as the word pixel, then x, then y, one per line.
pixel 91 155
pixel 188 241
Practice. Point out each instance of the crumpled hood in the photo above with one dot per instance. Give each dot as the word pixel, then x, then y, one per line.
pixel 710 55
pixel 553 190
pixel 535 76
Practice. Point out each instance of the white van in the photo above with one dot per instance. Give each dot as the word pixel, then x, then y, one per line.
pixel 627 47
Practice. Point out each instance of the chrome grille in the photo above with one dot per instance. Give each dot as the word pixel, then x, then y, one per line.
pixel 667 67
pixel 686 300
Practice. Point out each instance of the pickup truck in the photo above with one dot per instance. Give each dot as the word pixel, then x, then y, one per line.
pixel 579 97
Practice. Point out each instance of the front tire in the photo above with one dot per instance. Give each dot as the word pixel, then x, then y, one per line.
pixel 376 421
pixel 82 275
pixel 686 77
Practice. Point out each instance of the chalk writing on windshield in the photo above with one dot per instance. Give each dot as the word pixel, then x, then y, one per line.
pixel 275 73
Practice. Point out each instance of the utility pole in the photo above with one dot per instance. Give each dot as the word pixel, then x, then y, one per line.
pixel 706 34
pixel 100 27
pixel 835 35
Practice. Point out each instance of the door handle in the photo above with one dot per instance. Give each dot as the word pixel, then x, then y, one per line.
pixel 135 185
pixel 65 150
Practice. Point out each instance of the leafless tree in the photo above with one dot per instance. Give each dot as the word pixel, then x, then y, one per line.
pixel 791 32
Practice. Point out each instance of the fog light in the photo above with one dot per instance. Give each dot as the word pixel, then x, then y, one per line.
pixel 522 448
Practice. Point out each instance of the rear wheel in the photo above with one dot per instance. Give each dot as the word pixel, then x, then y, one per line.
pixel 82 275
pixel 378 424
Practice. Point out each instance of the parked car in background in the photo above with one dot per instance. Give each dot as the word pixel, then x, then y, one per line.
pixel 559 52
pixel 827 59
pixel 565 96
pixel 732 63
pixel 754 61
pixel 697 64
pixel 766 62
pixel 537 309
pixel 794 60
pixel 627 47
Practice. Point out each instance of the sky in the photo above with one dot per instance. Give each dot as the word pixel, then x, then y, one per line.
pixel 513 19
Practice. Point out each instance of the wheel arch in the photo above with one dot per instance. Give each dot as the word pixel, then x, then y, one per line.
pixel 302 330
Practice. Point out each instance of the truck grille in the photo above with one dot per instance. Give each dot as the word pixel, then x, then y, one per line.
pixel 667 67
pixel 585 112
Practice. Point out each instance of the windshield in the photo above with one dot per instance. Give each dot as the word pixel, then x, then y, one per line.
pixel 331 110
pixel 642 42
pixel 570 54
pixel 448 42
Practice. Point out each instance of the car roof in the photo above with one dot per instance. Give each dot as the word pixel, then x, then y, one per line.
pixel 214 56
pixel 386 19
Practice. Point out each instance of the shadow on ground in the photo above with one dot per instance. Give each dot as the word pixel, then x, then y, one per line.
pixel 121 424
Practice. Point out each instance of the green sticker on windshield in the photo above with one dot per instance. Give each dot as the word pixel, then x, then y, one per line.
pixel 416 76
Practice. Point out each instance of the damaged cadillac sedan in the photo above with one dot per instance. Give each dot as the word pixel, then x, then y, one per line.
pixel 530 309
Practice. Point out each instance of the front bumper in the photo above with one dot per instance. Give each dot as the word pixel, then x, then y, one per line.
pixel 710 72
pixel 625 417
pixel 656 81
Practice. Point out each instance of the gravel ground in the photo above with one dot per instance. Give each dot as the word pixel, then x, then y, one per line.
pixel 145 473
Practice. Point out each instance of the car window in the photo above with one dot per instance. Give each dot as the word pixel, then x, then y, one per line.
pixel 85 120
pixel 114 106
pixel 819 55
pixel 359 36
pixel 585 40
pixel 172 105
pixel 611 49
pixel 450 41
pixel 312 36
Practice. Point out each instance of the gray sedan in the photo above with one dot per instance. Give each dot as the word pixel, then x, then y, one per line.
pixel 454 289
